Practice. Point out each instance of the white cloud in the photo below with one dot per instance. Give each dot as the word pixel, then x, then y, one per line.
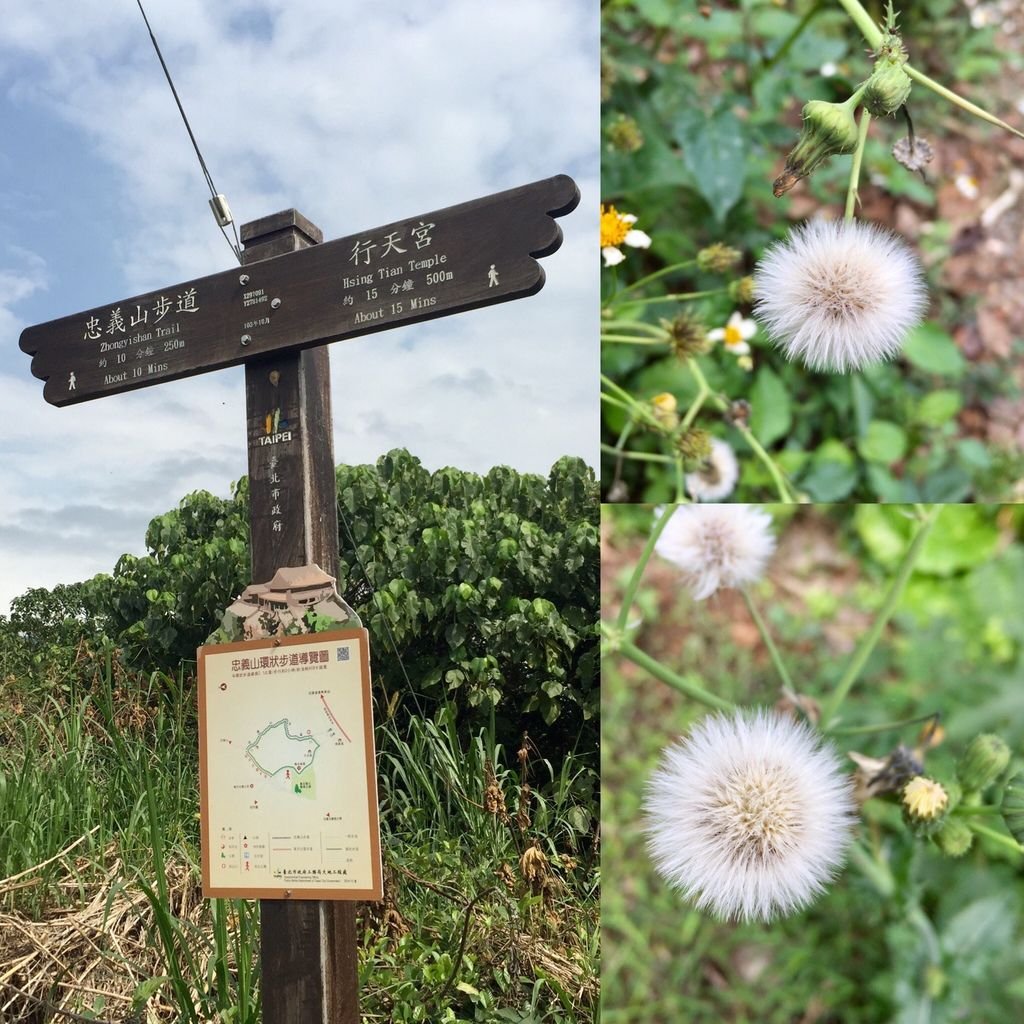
pixel 358 115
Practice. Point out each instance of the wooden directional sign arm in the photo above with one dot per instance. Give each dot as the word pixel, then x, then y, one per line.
pixel 475 254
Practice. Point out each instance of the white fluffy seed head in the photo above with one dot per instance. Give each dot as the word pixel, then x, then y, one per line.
pixel 716 479
pixel 839 295
pixel 749 816
pixel 717 545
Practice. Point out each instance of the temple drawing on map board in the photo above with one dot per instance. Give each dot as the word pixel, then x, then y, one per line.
pixel 268 609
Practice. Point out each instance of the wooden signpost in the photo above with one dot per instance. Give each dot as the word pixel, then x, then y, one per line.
pixel 275 314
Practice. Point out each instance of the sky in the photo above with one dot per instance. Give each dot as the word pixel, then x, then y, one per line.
pixel 356 113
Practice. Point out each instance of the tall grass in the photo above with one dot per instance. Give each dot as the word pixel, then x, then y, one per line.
pixel 99 794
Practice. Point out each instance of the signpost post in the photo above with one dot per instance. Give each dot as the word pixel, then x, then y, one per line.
pixel 275 314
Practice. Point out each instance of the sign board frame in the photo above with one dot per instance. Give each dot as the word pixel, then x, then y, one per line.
pixel 435 264
pixel 267 648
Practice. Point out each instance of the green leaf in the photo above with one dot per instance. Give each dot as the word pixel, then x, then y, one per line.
pixel 829 481
pixel 932 349
pixel 714 151
pixel 883 442
pixel 770 414
pixel 938 408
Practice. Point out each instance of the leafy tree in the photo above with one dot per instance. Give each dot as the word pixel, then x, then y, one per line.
pixel 484 589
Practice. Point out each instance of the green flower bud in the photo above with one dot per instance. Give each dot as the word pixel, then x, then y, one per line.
pixel 925 805
pixel 718 258
pixel 984 760
pixel 689 335
pixel 1013 807
pixel 953 838
pixel 666 410
pixel 694 445
pixel 887 89
pixel 624 134
pixel 829 129
pixel 741 291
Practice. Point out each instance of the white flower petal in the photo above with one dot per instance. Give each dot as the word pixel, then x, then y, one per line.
pixel 717 478
pixel 748 328
pixel 716 334
pixel 839 295
pixel 750 815
pixel 738 348
pixel 717 545
pixel 638 239
pixel 612 255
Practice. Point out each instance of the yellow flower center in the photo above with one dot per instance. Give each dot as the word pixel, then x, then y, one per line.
pixel 924 798
pixel 614 227
pixel 733 334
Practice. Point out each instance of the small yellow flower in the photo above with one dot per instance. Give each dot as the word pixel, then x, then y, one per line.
pixel 924 798
pixel 735 334
pixel 616 230
pixel 666 410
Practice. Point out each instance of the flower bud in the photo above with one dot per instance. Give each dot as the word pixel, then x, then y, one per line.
pixel 1013 807
pixel 741 291
pixel 718 258
pixel 829 129
pixel 984 760
pixel 666 410
pixel 689 334
pixel 624 134
pixel 694 445
pixel 953 838
pixel 925 803
pixel 887 89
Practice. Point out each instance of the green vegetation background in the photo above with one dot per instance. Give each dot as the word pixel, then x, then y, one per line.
pixel 956 646
pixel 487 739
pixel 714 92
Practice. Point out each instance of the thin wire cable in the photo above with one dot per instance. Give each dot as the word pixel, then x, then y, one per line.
pixel 236 246
pixel 383 617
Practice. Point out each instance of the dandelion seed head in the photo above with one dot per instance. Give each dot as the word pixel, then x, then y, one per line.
pixel 749 815
pixel 717 545
pixel 716 478
pixel 839 295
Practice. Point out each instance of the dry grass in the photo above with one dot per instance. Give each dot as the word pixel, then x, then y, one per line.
pixel 92 957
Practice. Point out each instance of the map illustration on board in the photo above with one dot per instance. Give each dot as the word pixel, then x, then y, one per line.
pixel 289 799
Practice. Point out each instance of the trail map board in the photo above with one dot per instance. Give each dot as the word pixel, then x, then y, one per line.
pixel 287 781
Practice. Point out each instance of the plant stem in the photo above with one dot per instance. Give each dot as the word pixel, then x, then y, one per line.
pixel 684 685
pixel 762 628
pixel 858 156
pixel 831 705
pixel 876 871
pixel 677 297
pixel 787 43
pixel 948 94
pixel 997 837
pixel 868 730
pixel 966 812
pixel 658 273
pixel 680 481
pixel 629 594
pixel 873 34
pixel 638 325
pixel 630 339
pixel 860 17
pixel 637 456
pixel 785 494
